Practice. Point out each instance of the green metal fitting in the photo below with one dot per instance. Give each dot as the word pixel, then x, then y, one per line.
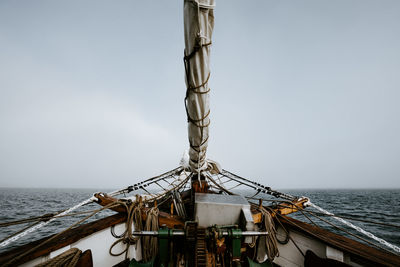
pixel 163 244
pixel 236 235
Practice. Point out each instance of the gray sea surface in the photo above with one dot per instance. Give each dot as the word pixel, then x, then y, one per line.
pixel 373 205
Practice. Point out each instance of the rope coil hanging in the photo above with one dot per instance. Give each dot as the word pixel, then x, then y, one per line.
pixel 271 242
pixel 150 244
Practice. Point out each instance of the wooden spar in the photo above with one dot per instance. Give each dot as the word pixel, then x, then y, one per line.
pixel 164 218
pixel 283 209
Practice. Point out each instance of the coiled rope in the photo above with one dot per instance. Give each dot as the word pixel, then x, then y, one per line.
pixel 67 259
pixel 15 259
pixel 270 240
pixel 150 245
pixel 126 237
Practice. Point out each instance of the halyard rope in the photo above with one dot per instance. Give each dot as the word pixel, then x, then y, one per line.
pixel 357 228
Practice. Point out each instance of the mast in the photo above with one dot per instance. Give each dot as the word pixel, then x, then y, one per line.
pixel 198 27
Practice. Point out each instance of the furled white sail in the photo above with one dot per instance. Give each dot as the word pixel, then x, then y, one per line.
pixel 199 24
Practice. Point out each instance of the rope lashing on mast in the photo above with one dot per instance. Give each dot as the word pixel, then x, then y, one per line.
pixel 357 228
pixel 198 25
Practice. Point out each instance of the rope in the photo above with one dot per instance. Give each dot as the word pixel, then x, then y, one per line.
pixel 133 218
pixel 270 240
pixel 137 219
pixel 257 186
pixel 348 232
pixel 357 219
pixel 40 225
pixel 357 228
pixel 10 263
pixel 67 259
pixel 45 217
pixel 286 231
pixel 48 218
pixel 150 244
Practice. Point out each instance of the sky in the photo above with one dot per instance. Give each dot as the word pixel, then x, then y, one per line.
pixel 304 94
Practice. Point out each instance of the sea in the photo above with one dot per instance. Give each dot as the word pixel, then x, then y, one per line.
pixel 381 206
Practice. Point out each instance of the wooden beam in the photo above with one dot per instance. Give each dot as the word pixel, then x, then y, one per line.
pixel 164 218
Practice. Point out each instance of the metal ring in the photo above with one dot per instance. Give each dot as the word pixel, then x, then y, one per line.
pixel 284 242
pixel 114 234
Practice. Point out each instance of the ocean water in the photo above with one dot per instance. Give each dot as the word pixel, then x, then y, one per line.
pixel 373 205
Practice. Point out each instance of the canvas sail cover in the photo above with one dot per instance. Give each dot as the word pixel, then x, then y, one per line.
pixel 198 27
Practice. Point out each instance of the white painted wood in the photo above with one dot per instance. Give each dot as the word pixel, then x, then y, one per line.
pixel 58 251
pixel 289 255
pixel 99 243
pixel 332 253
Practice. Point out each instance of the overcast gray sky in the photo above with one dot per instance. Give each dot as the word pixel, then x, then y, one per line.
pixel 305 94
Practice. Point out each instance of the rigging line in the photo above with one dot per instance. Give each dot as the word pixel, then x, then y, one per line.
pixel 159 185
pixel 350 233
pixel 175 187
pixel 335 215
pixel 167 181
pixel 257 192
pixel 44 223
pixel 294 206
pixel 249 185
pixel 9 263
pixel 142 187
pixel 276 216
pixel 148 183
pixel 267 188
pixel 341 216
pixel 356 219
pixel 20 231
pixel 359 229
pixel 219 178
pixel 305 215
pixel 168 173
pixel 219 186
pixel 41 224
pixel 234 187
pixel 42 218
